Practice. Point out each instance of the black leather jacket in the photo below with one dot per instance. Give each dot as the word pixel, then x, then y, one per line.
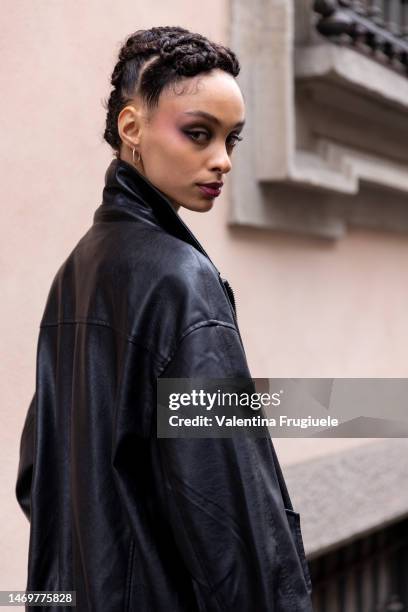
pixel 129 521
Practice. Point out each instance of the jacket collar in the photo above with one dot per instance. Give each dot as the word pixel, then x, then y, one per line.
pixel 129 193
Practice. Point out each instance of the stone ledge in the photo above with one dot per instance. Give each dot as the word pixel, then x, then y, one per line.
pixel 348 494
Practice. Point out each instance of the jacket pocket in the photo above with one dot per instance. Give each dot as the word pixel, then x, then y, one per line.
pixel 294 524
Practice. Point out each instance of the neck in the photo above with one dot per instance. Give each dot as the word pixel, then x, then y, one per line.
pixel 128 158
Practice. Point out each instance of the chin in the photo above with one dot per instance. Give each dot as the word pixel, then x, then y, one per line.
pixel 202 206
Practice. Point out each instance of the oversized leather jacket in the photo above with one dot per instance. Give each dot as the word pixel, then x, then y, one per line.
pixel 130 521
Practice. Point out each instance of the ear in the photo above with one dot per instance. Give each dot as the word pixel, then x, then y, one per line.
pixel 130 125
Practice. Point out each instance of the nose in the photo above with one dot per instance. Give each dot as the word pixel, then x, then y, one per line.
pixel 221 161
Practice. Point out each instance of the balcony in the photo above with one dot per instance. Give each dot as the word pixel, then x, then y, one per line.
pixel 377 29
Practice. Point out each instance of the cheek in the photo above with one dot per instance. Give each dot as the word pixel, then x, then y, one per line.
pixel 176 158
pixel 172 144
pixel 172 162
pixel 178 146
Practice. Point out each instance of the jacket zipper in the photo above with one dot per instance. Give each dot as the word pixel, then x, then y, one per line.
pixel 230 293
pixel 231 299
pixel 225 284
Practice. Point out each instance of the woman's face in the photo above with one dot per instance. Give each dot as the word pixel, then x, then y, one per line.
pixel 188 139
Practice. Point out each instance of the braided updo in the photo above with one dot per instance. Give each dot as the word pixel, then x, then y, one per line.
pixel 150 60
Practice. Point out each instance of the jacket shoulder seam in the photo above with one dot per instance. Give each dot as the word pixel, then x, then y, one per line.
pixel 189 330
pixel 85 321
pixel 134 340
pixel 206 323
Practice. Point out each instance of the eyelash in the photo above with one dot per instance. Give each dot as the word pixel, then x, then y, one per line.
pixel 190 134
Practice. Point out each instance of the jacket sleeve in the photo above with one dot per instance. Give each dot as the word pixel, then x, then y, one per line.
pixel 223 500
pixel 26 459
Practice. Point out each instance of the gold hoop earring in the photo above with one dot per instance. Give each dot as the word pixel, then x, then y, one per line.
pixel 133 155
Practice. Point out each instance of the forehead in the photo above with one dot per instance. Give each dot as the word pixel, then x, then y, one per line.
pixel 216 93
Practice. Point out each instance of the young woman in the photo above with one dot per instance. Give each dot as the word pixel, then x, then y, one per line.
pixel 128 520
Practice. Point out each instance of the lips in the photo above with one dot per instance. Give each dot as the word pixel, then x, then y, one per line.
pixel 216 185
pixel 210 189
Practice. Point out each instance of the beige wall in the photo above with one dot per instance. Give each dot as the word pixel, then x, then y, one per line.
pixel 305 307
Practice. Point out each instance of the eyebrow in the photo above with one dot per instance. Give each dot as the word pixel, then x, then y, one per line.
pixel 212 118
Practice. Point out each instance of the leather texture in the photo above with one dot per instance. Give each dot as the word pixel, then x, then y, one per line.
pixel 129 521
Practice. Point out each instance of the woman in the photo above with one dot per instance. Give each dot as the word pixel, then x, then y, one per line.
pixel 128 520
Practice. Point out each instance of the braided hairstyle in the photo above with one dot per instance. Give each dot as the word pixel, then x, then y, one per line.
pixel 150 60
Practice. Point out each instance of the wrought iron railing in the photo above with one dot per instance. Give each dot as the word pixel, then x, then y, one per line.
pixel 368 575
pixel 378 28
